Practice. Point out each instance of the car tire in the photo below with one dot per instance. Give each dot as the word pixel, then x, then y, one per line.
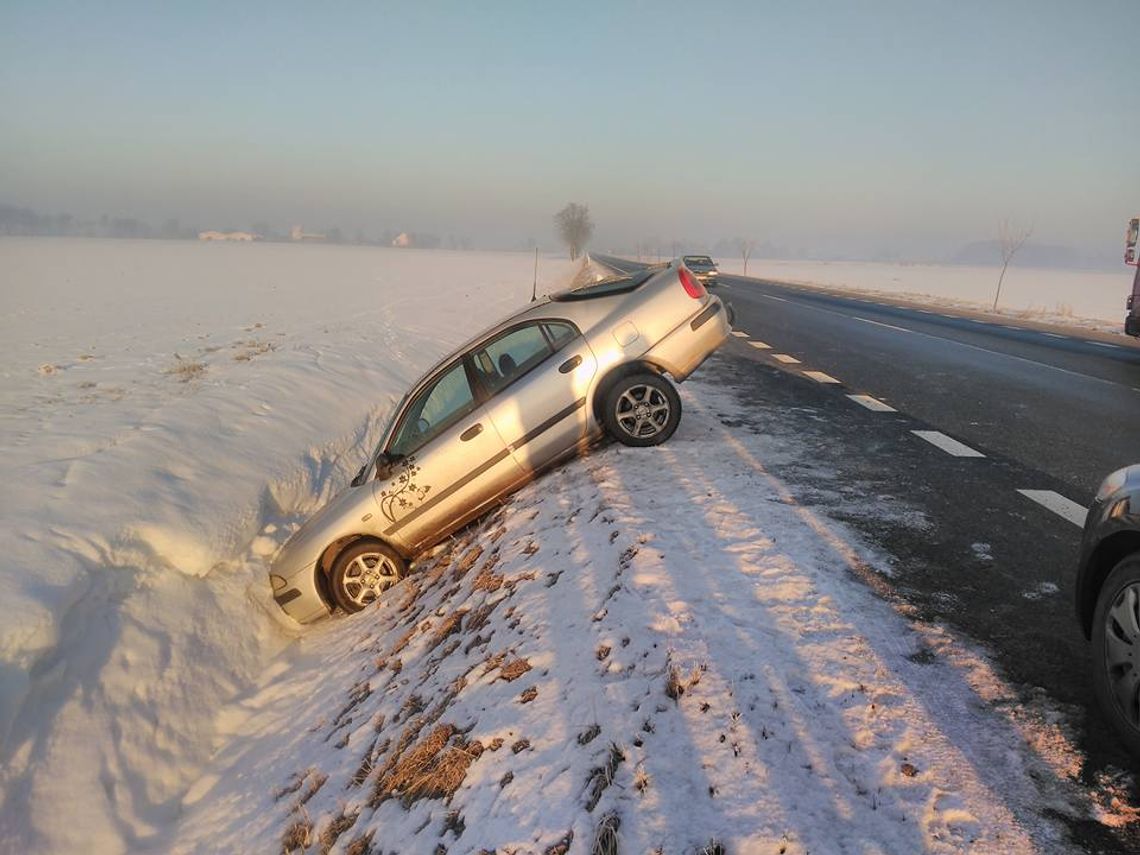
pixel 362 573
pixel 1116 650
pixel 641 409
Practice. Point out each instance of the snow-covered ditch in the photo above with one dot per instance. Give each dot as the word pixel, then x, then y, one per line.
pixel 651 648
pixel 168 409
pixel 1092 299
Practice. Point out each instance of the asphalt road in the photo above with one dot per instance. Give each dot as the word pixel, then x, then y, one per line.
pixel 1063 405
pixel 966 414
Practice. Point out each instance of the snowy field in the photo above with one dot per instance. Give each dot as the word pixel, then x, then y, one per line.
pixel 1087 298
pixel 162 405
pixel 658 645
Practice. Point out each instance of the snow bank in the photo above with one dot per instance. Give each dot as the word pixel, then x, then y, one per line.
pixel 169 409
pixel 667 650
pixel 1049 295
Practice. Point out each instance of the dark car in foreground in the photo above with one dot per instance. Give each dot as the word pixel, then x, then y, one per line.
pixel 1108 600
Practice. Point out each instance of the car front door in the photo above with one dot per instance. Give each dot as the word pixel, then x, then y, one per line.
pixel 537 376
pixel 445 460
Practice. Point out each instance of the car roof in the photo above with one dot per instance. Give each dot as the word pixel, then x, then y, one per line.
pixel 542 309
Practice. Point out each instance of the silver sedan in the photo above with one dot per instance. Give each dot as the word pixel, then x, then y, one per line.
pixel 518 399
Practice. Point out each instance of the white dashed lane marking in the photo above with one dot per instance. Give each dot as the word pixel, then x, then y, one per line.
pixel 740 333
pixel 880 324
pixel 759 345
pixel 872 404
pixel 1102 343
pixel 948 444
pixel 787 360
pixel 774 297
pixel 820 377
pixel 1058 504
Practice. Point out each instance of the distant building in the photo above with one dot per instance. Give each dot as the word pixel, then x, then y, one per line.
pixel 298 233
pixel 402 239
pixel 211 235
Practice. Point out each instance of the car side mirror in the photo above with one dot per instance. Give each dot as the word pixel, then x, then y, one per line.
pixel 385 464
pixel 358 478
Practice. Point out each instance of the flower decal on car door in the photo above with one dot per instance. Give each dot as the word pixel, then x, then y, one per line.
pixel 402 492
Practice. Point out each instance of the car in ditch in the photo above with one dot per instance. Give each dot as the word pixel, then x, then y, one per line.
pixel 1108 600
pixel 521 397
pixel 703 267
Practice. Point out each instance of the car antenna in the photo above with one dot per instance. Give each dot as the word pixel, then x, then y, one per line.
pixel 534 289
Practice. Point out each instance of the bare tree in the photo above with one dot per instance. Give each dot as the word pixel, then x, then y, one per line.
pixel 1011 238
pixel 745 247
pixel 574 227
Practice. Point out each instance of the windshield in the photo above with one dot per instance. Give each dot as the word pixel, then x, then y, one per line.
pixel 702 260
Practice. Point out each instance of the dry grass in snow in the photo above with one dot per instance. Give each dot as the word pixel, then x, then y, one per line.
pixel 659 656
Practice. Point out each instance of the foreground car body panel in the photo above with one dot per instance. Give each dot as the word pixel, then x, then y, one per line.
pixel 1112 530
pixel 518 398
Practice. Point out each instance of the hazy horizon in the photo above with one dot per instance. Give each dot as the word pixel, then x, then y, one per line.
pixel 896 129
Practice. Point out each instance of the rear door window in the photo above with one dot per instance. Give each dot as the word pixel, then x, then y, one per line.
pixel 560 333
pixel 511 355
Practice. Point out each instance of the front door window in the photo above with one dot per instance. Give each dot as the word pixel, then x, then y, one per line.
pixel 433 411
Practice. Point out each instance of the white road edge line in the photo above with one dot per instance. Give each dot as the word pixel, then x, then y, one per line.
pixel 880 324
pixel 872 404
pixel 1101 343
pixel 948 444
pixel 820 377
pixel 786 359
pixel 1054 335
pixel 759 345
pixel 1058 504
pixel 773 297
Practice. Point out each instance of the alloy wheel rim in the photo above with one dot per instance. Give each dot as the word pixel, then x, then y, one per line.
pixel 1122 652
pixel 642 411
pixel 368 576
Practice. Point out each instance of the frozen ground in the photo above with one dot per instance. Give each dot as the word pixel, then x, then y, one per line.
pixel 660 643
pixel 161 404
pixel 1093 299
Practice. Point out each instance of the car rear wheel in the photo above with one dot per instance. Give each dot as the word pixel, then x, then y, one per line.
pixel 1116 650
pixel 362 573
pixel 641 409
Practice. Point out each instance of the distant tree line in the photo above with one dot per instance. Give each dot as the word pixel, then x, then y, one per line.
pixel 17 221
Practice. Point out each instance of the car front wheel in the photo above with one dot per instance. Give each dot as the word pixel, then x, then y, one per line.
pixel 1116 650
pixel 362 573
pixel 641 409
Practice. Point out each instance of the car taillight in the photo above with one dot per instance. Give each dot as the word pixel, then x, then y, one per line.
pixel 689 282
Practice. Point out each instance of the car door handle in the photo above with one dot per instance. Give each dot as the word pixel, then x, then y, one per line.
pixel 471 432
pixel 570 364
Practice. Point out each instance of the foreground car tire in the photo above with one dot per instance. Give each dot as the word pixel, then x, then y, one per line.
pixel 1116 650
pixel 641 409
pixel 362 573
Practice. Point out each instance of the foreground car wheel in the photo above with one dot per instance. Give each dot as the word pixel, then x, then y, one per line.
pixel 642 409
pixel 362 573
pixel 1116 650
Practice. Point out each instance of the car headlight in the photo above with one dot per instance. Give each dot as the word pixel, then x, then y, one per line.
pixel 1111 484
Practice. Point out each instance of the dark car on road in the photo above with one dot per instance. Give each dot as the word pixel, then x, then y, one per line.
pixel 1108 600
pixel 703 267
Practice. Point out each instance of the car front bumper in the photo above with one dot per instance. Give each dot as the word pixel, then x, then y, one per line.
pixel 299 595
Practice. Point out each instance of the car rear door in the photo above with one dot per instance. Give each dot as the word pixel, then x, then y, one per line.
pixel 448 461
pixel 536 376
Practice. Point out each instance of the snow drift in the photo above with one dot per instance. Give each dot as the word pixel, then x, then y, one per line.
pixel 168 409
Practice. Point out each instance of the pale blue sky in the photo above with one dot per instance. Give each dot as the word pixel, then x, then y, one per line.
pixel 913 126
